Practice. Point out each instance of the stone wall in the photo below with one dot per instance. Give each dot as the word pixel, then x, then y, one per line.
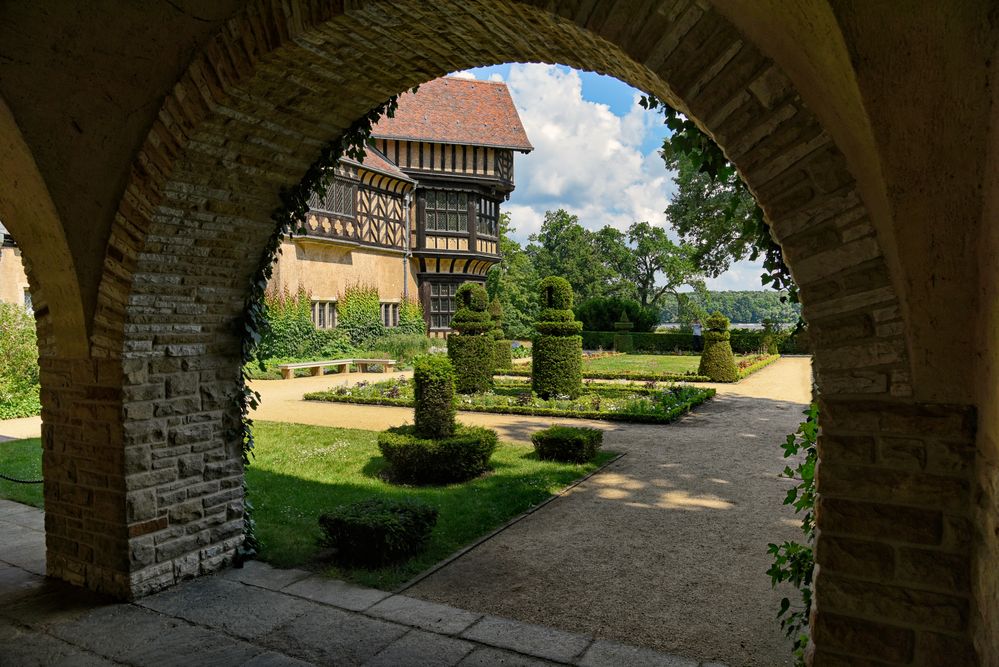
pixel 13 279
pixel 249 114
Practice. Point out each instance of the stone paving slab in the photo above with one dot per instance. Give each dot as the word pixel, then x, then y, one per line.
pixel 422 649
pixel 256 573
pixel 433 616
pixel 336 593
pixel 487 656
pixel 333 636
pixel 613 654
pixel 25 648
pixel 526 638
pixel 229 606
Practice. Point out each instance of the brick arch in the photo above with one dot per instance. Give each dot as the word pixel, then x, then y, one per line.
pixel 249 116
pixel 26 209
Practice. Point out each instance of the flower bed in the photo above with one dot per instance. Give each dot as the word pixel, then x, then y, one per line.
pixel 648 403
pixel 750 365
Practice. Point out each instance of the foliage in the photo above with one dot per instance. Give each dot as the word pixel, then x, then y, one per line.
pixel 473 357
pixel 433 380
pixel 556 294
pixel 794 562
pixel 624 342
pixel 496 318
pixel 22 459
pixel 514 282
pixel 557 352
pixel 717 359
pixel 572 444
pixel 686 142
pixel 359 315
pixel 377 531
pixel 416 460
pixel 744 306
pixel 649 257
pixel 601 313
pixel 502 355
pixel 19 384
pixel 643 403
pixel 302 471
pixel 411 318
pixel 403 347
pixel 292 335
pixel 563 247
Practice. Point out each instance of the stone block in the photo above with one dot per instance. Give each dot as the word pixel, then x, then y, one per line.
pixel 486 656
pixel 927 568
pixel 422 649
pixel 881 521
pixel 337 593
pixel 533 640
pixel 863 637
pixel 863 558
pixel 423 614
pixel 900 487
pixel 899 605
pixel 603 653
pixel 327 636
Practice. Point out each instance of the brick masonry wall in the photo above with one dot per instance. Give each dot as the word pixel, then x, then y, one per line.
pixel 249 116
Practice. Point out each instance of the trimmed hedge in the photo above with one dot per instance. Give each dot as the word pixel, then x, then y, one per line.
pixel 378 531
pixel 557 352
pixel 623 342
pixel 416 460
pixel 557 366
pixel 433 389
pixel 717 360
pixel 743 341
pixel 502 355
pixel 473 357
pixel 569 444
pixel 609 375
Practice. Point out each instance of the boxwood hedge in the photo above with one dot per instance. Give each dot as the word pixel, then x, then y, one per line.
pixel 557 352
pixel 717 360
pixel 374 532
pixel 416 460
pixel 569 444
pixel 433 390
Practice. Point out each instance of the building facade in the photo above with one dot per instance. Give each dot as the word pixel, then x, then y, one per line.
pixel 419 214
pixel 13 280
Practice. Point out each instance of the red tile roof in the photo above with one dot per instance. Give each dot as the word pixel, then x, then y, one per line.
pixel 374 160
pixel 457 111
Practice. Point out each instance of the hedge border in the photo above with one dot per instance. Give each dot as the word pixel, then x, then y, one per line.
pixel 667 418
pixel 758 366
pixel 653 377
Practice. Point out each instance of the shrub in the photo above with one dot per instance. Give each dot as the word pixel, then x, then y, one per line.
pixel 374 532
pixel 411 318
pixel 433 392
pixel 601 313
pixel 623 342
pixel 569 444
pixel 473 357
pixel 419 460
pixel 717 360
pixel 19 371
pixel 557 353
pixel 471 349
pixel 502 355
pixel 290 333
pixel 402 347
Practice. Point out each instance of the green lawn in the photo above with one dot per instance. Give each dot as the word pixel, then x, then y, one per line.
pixel 21 459
pixel 300 471
pixel 643 363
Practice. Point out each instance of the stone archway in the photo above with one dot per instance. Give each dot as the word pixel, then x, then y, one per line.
pixel 146 488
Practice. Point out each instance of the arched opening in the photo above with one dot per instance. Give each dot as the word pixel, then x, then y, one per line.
pixel 237 128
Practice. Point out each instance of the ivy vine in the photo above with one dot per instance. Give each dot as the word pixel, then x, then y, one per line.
pixel 688 141
pixel 289 219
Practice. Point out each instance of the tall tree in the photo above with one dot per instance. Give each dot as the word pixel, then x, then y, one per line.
pixel 563 247
pixel 659 266
pixel 513 281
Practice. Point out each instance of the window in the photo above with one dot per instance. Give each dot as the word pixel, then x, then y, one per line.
pixel 390 314
pixel 488 218
pixel 441 304
pixel 324 314
pixel 338 199
pixel 27 300
pixel 446 211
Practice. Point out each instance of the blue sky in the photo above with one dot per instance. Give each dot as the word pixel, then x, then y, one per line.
pixel 596 155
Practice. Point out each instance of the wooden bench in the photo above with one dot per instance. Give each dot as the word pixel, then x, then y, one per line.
pixel 288 370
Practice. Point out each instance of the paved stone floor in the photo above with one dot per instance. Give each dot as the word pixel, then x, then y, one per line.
pixel 262 617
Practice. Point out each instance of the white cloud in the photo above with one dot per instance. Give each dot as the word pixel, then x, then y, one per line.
pixel 462 75
pixel 743 275
pixel 586 159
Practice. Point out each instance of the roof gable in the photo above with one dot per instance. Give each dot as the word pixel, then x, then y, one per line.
pixel 457 111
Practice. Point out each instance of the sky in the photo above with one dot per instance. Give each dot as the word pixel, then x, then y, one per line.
pixel 595 155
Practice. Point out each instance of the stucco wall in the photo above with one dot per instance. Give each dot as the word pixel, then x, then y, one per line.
pixel 325 269
pixel 13 280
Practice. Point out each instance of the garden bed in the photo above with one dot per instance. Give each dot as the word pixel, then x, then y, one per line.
pixel 653 367
pixel 648 403
pixel 300 472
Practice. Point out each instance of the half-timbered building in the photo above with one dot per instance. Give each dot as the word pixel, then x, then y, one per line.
pixel 419 214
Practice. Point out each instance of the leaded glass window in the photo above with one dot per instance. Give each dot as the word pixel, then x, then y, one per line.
pixel 446 211
pixel 442 304
pixel 324 314
pixel 488 217
pixel 339 199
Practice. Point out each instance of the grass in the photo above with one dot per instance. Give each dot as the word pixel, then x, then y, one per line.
pixel 21 459
pixel 648 403
pixel 655 367
pixel 301 471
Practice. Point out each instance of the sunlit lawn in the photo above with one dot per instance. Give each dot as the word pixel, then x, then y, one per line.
pixel 21 459
pixel 301 471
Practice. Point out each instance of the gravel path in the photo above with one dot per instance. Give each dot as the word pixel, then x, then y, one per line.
pixel 666 548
